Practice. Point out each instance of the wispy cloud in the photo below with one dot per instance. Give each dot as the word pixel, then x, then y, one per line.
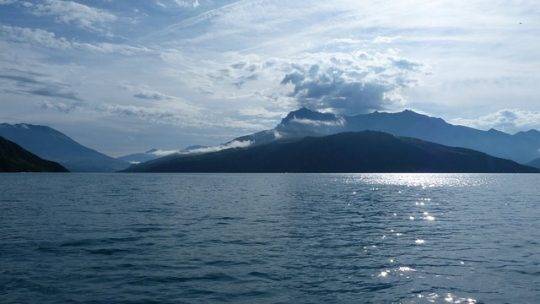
pixel 146 93
pixel 48 39
pixel 235 144
pixel 74 13
pixel 28 83
pixel 62 107
pixel 54 92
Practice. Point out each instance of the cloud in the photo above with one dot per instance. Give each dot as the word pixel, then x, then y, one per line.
pixel 345 83
pixel 69 12
pixel 330 91
pixel 161 153
pixel 58 106
pixel 235 144
pixel 50 40
pixel 318 123
pixel 34 36
pixel 20 80
pixel 146 93
pixel 54 92
pixel 150 114
pixel 152 96
pixel 187 3
pixel 350 84
pixel 113 48
pixel 178 4
pixel 508 120
pixel 33 84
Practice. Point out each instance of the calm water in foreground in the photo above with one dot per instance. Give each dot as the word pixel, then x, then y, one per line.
pixel 283 238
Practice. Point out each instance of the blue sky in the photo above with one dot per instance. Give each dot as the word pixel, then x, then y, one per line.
pixel 125 76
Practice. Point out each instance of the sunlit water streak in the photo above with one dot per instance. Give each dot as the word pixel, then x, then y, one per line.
pixel 269 238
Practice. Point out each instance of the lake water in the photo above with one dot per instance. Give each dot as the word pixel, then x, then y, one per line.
pixel 269 238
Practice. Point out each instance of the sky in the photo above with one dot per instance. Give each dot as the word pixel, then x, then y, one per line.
pixel 125 76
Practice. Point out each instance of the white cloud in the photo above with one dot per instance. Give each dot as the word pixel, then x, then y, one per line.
pixel 50 40
pixel 161 153
pixel 508 120
pixel 35 36
pixel 187 3
pixel 349 83
pixel 70 12
pixel 113 48
pixel 235 144
pixel 318 123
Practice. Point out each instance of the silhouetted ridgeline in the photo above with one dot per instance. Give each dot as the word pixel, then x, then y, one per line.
pixel 14 158
pixel 51 144
pixel 521 147
pixel 366 151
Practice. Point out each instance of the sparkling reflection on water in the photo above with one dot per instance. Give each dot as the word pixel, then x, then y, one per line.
pixel 269 238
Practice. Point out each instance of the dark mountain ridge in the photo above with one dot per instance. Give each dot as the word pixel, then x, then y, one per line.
pixel 13 158
pixel 357 152
pixel 521 147
pixel 51 144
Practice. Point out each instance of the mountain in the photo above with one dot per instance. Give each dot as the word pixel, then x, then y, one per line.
pixel 51 144
pixel 367 151
pixel 535 163
pixel 521 147
pixel 152 154
pixel 13 158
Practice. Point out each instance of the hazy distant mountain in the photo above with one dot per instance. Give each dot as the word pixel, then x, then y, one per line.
pixel 535 163
pixel 366 151
pixel 50 144
pixel 13 158
pixel 137 158
pixel 521 147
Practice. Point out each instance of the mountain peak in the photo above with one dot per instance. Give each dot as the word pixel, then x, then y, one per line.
pixel 495 131
pixel 412 113
pixel 305 113
pixel 530 132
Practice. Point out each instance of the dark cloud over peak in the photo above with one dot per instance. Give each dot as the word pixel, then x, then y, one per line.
pixel 331 90
pixel 350 85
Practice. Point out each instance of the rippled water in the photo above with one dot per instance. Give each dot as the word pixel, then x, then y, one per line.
pixel 283 238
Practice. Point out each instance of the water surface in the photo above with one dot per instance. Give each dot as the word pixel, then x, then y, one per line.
pixel 269 238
